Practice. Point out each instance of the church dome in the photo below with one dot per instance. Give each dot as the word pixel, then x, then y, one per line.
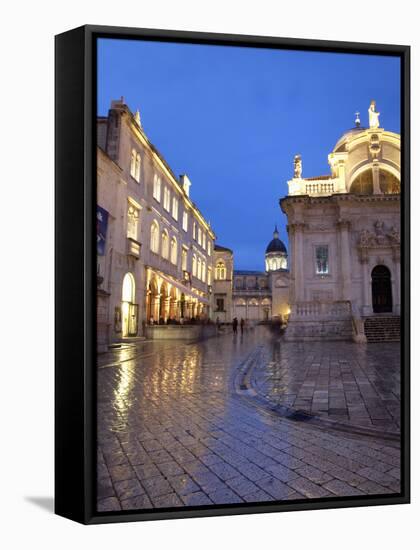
pixel 275 253
pixel 340 146
pixel 276 245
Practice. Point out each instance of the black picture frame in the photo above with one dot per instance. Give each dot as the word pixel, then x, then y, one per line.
pixel 75 275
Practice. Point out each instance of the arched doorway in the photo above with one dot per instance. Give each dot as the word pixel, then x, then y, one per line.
pixel 129 308
pixel 152 301
pixel 381 290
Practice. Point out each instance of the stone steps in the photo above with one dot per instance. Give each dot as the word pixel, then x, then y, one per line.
pixel 383 328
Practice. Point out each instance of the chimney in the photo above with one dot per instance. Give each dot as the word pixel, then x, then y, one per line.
pixel 186 184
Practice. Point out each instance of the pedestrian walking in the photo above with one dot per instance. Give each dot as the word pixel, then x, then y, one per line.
pixel 235 325
pixel 242 325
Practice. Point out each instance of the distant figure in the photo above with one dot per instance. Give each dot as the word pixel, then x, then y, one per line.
pixel 151 320
pixel 218 323
pixel 235 325
pixel 242 325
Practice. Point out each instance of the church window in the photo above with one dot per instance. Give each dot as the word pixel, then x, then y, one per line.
pixel 174 250
pixel 175 208
pixel 166 199
pixel 165 245
pixel 135 165
pixel 321 260
pixel 184 259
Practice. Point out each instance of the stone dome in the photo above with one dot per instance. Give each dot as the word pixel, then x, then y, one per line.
pixel 275 253
pixel 276 245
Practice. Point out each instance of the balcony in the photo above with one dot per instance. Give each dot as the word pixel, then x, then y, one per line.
pixel 133 248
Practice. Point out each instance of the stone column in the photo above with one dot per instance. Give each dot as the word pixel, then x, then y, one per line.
pixel 344 226
pixel 396 298
pixel 375 177
pixel 366 290
pixel 298 262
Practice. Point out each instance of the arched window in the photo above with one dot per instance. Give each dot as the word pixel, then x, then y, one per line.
pixel 154 237
pixel 165 244
pixel 132 222
pixel 133 163
pixel 137 167
pixel 194 265
pixel 174 250
pixel 220 271
pixel 156 187
pixel 128 288
pixel 388 183
pixel 363 184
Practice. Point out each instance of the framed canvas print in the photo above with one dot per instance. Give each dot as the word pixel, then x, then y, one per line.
pixel 232 274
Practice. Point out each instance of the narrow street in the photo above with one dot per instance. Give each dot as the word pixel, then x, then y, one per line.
pixel 236 419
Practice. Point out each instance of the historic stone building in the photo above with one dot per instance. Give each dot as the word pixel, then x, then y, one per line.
pixel 344 233
pixel 154 245
pixel 255 296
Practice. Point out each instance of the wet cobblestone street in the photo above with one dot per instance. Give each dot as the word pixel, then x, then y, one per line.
pixel 173 431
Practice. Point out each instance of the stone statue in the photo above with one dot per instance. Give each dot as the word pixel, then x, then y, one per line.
pixel 373 115
pixel 379 230
pixel 394 236
pixel 298 166
pixel 366 238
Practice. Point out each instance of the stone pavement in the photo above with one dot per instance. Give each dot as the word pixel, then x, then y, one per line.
pixel 173 432
pixel 345 382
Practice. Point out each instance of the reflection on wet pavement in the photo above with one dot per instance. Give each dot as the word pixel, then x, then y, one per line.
pixel 172 432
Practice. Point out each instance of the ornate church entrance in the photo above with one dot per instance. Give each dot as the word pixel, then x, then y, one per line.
pixel 381 290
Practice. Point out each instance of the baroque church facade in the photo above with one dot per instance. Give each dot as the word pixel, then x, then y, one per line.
pixel 342 280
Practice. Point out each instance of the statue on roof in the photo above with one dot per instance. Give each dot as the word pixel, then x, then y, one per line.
pixel 373 115
pixel 297 166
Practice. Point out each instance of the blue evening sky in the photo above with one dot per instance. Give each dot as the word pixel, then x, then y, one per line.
pixel 233 118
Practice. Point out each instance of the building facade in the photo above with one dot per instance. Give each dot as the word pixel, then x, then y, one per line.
pixel 344 234
pixel 155 248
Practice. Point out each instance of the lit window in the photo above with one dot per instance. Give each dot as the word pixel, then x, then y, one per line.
pixel 156 187
pixel 174 250
pixel 209 275
pixel 199 236
pixel 209 247
pixel 203 242
pixel 194 265
pixel 175 208
pixel 166 199
pixel 321 260
pixel 185 221
pixel 165 245
pixel 184 259
pixel 154 237
pixel 220 271
pixel 135 165
pixel 132 222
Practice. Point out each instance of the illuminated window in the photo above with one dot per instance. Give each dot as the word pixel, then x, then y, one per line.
pixel 175 208
pixel 199 236
pixel 154 237
pixel 220 271
pixel 209 247
pixel 156 187
pixel 184 259
pixel 203 242
pixel 132 222
pixel 165 245
pixel 135 165
pixel 185 221
pixel 174 250
pixel 321 260
pixel 166 199
pixel 209 275
pixel 194 265
pixel 199 268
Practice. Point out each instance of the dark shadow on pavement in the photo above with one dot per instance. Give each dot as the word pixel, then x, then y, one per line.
pixel 47 503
